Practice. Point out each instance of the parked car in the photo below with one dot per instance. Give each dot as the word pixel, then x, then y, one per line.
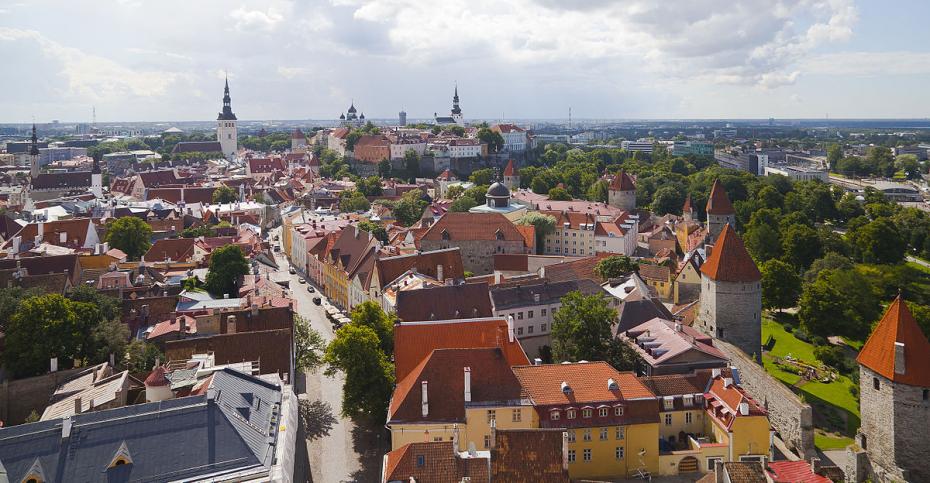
pixel 317 300
pixel 292 271
pixel 301 280
pixel 310 289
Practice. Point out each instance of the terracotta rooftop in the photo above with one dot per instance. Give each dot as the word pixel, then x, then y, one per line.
pixel 510 170
pixel 389 268
pixel 473 226
pixel 587 380
pixel 528 456
pixel 622 182
pixel 444 302
pixel 718 203
pixel 794 472
pixel 898 326
pixel 432 462
pixel 414 341
pixel 729 261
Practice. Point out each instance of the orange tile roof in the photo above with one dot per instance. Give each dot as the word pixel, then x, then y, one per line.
pixel 878 353
pixel 687 206
pixel 719 203
pixel 588 381
pixel 510 170
pixel 729 261
pixel 414 341
pixel 622 182
pixel 473 226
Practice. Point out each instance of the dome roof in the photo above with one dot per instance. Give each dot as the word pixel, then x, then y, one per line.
pixel 498 190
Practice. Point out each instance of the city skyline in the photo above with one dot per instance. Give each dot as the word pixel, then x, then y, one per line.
pixel 138 61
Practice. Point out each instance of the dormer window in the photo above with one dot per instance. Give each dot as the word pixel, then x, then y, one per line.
pixel 570 414
pixel 499 235
pixel 121 457
pixel 446 236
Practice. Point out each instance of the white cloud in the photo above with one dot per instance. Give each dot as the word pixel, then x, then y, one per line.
pixel 256 19
pixel 869 64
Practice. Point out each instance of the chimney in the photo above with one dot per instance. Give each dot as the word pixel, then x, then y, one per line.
pixel 493 433
pixel 510 328
pixel 899 366
pixel 424 397
pixel 815 465
pixel 565 450
pixel 537 361
pixel 183 328
pixel 16 242
pixel 41 231
pixel 468 384
pixel 439 273
pixel 744 409
pixel 455 438
pixel 727 382
pixel 77 405
pixel 715 373
pixel 231 324
pixel 678 326
pixel 254 310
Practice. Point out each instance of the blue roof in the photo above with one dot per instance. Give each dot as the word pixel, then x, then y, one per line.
pixel 232 428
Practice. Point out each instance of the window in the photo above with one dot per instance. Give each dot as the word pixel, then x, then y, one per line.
pixel 618 411
pixel 618 453
pixel 758 459
pixel 437 438
pixel 587 434
pixel 519 315
pixel 516 415
pixel 542 327
pixel 555 415
pixel 487 441
pixel 687 400
pixel 586 413
pixel 687 418
pixel 529 314
pixel 570 414
pixel 602 412
pixel 668 402
pixel 712 462
pixel 668 419
pixel 542 312
pixel 571 456
pixel 603 434
pixel 620 433
pixel 926 394
pixel 587 455
pixel 571 436
pixel 519 330
pixel 876 384
pixel 421 461
pixel 492 415
pixel 529 329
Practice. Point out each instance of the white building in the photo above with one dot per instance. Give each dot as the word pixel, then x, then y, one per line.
pixel 641 145
pixel 514 137
pixel 401 146
pixel 456 147
pixel 226 132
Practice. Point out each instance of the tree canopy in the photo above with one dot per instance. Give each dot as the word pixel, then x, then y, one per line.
pixel 131 235
pixel 225 194
pixel 227 264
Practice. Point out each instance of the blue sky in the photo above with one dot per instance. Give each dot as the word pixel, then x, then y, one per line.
pixel 153 60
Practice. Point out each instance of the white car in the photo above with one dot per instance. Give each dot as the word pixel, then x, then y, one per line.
pixel 302 280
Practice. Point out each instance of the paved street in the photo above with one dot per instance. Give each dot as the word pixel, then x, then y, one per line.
pixel 337 457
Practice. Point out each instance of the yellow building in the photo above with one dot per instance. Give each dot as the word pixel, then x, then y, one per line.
pixel 658 277
pixel 611 417
pixel 686 286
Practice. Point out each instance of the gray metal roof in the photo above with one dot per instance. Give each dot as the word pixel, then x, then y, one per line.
pixel 231 429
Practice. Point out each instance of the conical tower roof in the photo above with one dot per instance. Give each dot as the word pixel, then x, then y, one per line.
pixel 729 261
pixel 898 327
pixel 719 203
pixel 623 182
pixel 510 170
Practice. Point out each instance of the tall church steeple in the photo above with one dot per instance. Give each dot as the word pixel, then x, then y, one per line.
pixel 455 101
pixel 226 131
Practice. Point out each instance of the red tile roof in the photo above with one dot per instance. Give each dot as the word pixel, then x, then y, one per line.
pixel 414 341
pixel 575 269
pixel 444 372
pixel 729 261
pixel 440 464
pixel 719 203
pixel 510 170
pixel 389 268
pixel 473 226
pixel 157 378
pixel 878 353
pixel 794 472
pixel 588 382
pixel 528 456
pixel 177 249
pixel 622 182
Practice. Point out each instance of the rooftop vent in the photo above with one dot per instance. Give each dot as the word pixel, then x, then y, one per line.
pixel 566 389
pixel 612 385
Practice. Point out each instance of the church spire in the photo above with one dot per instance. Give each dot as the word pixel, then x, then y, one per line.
pixel 455 101
pixel 227 114
pixel 34 149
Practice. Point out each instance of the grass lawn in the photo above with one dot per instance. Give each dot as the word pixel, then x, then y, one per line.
pixel 918 267
pixel 836 409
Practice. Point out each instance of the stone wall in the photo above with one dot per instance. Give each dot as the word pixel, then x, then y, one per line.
pixel 791 417
pixel 477 255
pixel 625 200
pixel 732 312
pixel 20 397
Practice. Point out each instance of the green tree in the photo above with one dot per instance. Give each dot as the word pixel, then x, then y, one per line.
pixel 409 209
pixel 412 165
pixel 838 302
pixel 763 242
pixel 878 242
pixel 830 261
pixel 227 264
pixel 477 193
pixel 801 246
pixel 542 225
pixel 581 328
pixel 384 168
pixel 559 194
pixel 109 306
pixel 351 201
pixel 881 161
pixel 781 285
pixel 369 314
pixel 131 235
pixel 667 200
pixel 598 192
pixel 909 164
pixel 369 375
pixel 454 191
pixel 141 356
pixel 615 266
pixel 482 176
pixel 462 204
pixel 493 139
pixel 309 344
pixel 375 229
pixel 43 327
pixel 834 154
pixel 370 186
pixel 225 194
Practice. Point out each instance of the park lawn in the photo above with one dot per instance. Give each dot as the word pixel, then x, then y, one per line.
pixel 786 343
pixel 918 267
pixel 825 442
pixel 787 378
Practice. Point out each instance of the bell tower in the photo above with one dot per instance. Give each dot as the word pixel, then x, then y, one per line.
pixel 226 132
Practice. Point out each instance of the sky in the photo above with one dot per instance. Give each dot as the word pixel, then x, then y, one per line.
pixel 163 60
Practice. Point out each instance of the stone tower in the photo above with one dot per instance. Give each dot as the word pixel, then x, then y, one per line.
pixel 298 139
pixel 731 295
pixel 687 211
pixel 511 176
pixel 226 132
pixel 622 192
pixel 34 154
pixel 894 399
pixel 720 211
